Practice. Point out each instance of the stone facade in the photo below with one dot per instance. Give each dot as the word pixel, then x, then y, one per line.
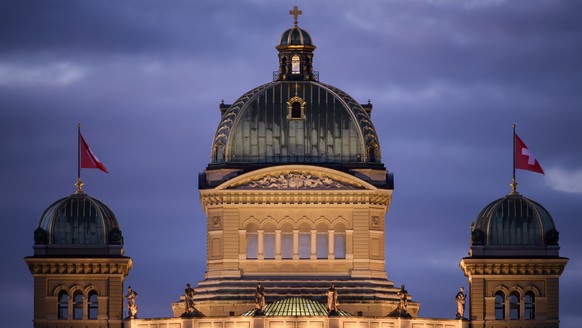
pixel 290 322
pixel 296 229
pixel 494 281
pixel 92 289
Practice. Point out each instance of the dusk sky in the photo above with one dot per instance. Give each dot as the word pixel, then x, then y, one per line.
pixel 144 78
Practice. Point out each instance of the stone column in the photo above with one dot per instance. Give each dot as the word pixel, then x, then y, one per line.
pixel 330 245
pixel 296 244
pixel 278 244
pixel 260 244
pixel 313 240
pixel 242 249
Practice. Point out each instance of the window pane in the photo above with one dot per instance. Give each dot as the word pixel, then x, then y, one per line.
pixel 93 306
pixel 322 245
pixel 287 245
pixel 514 307
pixel 499 306
pixel 78 307
pixel 529 306
pixel 63 311
pixel 295 65
pixel 339 245
pixel 269 244
pixel 252 245
pixel 304 245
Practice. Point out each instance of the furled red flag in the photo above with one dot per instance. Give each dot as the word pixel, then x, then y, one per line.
pixel 88 159
pixel 524 158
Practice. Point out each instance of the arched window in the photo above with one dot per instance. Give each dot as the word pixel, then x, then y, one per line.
pixel 499 306
pixel 339 241
pixel 296 110
pixel 252 241
pixel 529 306
pixel 78 305
pixel 63 309
pixel 304 241
pixel 514 306
pixel 269 241
pixel 322 242
pixel 92 306
pixel 295 67
pixel 287 241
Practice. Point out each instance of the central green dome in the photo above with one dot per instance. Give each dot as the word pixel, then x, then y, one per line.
pixel 295 122
pixel 296 119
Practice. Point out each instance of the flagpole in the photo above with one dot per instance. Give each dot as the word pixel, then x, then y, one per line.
pixel 79 183
pixel 513 182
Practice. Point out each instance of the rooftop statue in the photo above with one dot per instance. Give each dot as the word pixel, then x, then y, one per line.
pixel 460 298
pixel 402 308
pixel 259 300
pixel 332 302
pixel 131 305
pixel 190 310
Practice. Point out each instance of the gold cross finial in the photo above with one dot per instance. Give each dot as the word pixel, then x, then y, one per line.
pixel 295 12
pixel 79 185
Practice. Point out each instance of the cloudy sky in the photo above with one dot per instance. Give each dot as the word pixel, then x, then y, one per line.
pixel 144 78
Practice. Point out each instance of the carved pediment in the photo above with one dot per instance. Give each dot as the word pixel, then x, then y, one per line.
pixel 295 180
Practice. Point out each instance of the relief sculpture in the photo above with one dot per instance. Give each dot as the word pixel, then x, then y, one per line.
pixel 295 180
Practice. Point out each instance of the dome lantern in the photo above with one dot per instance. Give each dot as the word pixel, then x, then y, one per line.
pixel 295 53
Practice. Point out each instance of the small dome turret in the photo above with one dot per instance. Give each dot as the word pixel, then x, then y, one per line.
pixel 514 225
pixel 295 36
pixel 78 223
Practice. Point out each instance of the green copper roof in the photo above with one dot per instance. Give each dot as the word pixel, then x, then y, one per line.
pixel 514 220
pixel 295 307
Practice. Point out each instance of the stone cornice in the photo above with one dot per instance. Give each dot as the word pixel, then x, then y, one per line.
pixel 213 197
pixel 41 265
pixel 296 176
pixel 497 267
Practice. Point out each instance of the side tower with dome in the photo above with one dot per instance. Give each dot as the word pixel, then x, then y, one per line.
pixel 78 265
pixel 514 265
pixel 295 196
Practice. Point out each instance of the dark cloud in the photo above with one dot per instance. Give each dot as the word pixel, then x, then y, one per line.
pixel 145 78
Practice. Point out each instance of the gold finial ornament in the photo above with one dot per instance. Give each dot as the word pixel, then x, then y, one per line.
pixel 513 186
pixel 295 12
pixel 79 184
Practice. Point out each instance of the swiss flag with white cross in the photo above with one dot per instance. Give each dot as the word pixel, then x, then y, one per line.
pixel 524 158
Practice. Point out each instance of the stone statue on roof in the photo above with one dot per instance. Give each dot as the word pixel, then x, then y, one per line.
pixel 131 305
pixel 332 302
pixel 402 307
pixel 460 298
pixel 259 299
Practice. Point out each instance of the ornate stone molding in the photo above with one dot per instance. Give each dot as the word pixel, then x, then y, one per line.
pixel 295 180
pixel 516 267
pixel 231 197
pixel 68 266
